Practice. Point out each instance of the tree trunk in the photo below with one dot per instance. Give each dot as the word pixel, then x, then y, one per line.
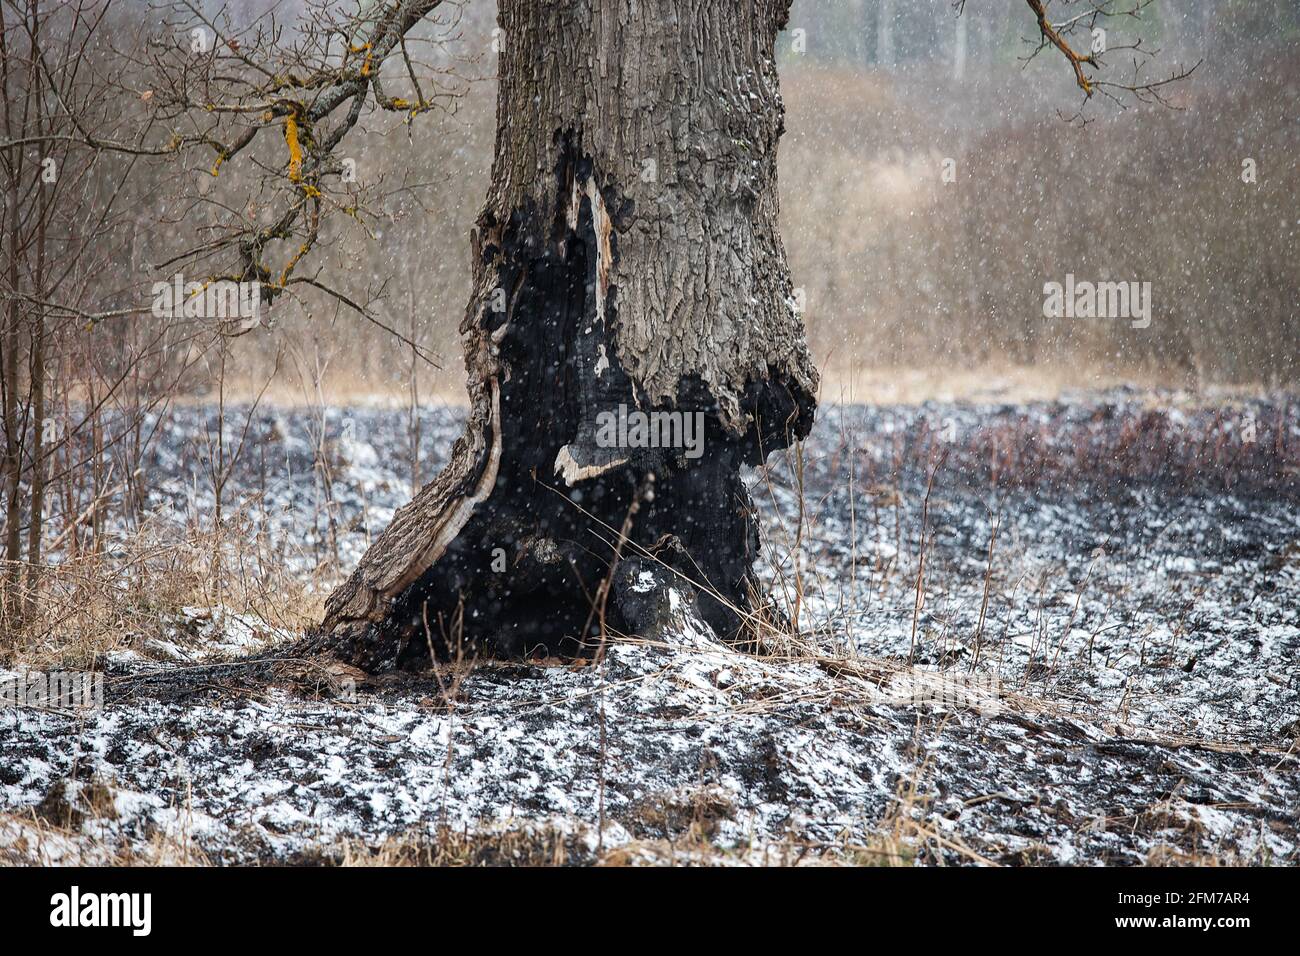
pixel 885 34
pixel 13 421
pixel 628 255
pixel 36 519
pixel 959 48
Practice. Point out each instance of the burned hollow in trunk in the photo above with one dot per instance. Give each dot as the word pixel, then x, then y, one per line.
pixel 627 263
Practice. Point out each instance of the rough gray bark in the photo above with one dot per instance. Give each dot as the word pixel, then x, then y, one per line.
pixel 628 254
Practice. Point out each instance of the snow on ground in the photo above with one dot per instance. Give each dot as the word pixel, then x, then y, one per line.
pixel 1134 644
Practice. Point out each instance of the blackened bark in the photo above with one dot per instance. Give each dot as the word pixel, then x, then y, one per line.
pixel 628 255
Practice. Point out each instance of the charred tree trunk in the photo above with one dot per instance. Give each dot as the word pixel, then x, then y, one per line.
pixel 628 255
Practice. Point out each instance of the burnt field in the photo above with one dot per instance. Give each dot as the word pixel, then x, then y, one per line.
pixel 1043 633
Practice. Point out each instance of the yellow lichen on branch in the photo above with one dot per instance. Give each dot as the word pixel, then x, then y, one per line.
pixel 289 266
pixel 295 147
pixel 362 48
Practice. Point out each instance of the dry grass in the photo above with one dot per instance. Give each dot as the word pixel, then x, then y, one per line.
pixel 62 830
pixel 999 382
pixel 151 587
pixel 445 846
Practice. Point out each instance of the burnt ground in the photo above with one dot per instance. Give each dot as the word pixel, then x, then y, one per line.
pixel 1117 669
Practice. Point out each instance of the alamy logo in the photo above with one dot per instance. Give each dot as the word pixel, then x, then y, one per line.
pixel 952 691
pixel 55 690
pixel 638 429
pixel 103 909
pixel 219 299
pixel 1098 300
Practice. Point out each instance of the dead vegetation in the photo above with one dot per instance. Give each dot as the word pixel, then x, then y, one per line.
pixel 156 593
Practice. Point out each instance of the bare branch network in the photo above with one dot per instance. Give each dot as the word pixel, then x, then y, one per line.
pixel 1085 31
pixel 283 97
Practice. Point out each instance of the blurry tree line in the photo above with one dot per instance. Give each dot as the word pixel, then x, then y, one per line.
pixel 892 33
pixel 903 265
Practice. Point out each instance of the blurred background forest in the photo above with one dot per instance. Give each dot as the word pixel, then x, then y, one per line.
pixel 898 269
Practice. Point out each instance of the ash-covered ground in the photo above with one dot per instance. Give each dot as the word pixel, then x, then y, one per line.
pixel 1052 633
